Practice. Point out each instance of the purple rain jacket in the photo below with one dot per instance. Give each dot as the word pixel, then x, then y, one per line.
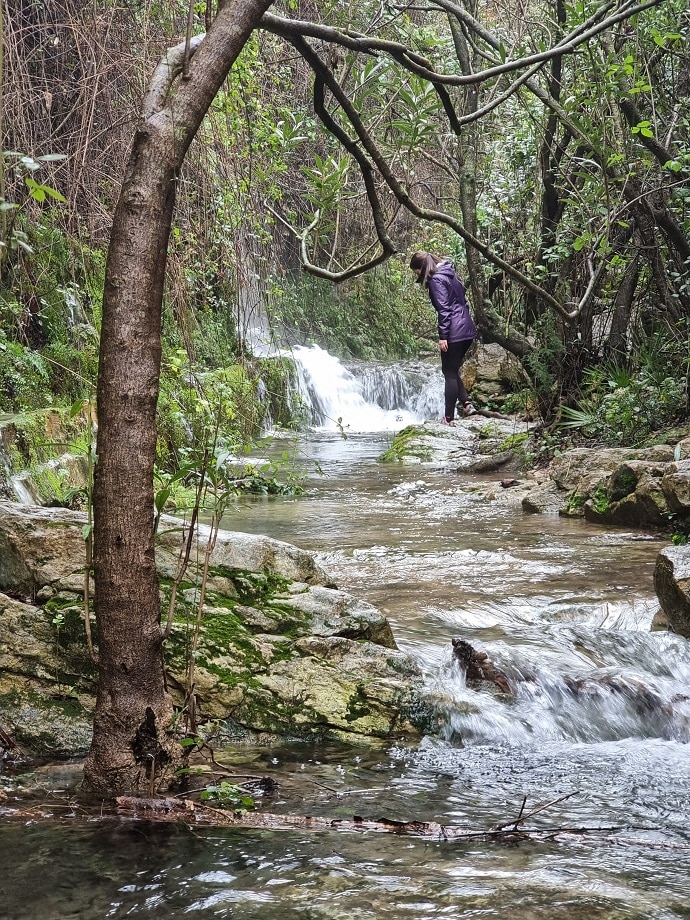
pixel 447 294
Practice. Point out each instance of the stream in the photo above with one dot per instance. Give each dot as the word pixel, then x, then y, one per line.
pixel 551 600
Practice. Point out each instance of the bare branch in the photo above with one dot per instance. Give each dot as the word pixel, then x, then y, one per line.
pixel 364 44
pixel 324 75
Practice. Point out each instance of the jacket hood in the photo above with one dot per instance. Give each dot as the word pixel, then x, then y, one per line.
pixel 445 268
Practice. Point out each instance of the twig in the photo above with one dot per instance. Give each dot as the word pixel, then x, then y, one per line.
pixel 520 818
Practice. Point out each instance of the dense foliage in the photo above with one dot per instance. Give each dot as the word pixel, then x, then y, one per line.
pixel 571 171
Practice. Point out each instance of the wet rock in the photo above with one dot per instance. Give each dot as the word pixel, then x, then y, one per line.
pixel 644 505
pixel 501 460
pixel 675 484
pixel 48 725
pixel 672 586
pixel 592 464
pixel 645 701
pixel 478 668
pixel 235 552
pixel 278 650
pixel 474 444
pixel 44 547
pixel 545 498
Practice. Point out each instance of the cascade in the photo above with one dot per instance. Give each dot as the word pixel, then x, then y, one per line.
pixel 365 396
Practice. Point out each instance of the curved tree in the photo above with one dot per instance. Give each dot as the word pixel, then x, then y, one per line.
pixel 132 748
pixel 431 105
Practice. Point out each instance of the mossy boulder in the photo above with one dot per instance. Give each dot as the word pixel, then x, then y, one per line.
pixel 473 443
pixel 47 681
pixel 647 487
pixel 294 662
pixel 276 647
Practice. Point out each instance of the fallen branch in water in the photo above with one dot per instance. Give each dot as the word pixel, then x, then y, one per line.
pixel 535 811
pixel 187 812
pixel 184 811
pixel 9 750
pixel 487 413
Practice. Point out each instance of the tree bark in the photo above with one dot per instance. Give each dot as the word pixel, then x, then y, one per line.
pixel 133 749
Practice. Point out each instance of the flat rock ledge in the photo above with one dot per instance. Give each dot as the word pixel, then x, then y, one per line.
pixel 480 443
pixel 281 652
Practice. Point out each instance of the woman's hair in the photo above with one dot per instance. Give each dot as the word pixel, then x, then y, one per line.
pixel 426 263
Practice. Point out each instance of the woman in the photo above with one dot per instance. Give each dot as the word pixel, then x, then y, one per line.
pixel 456 331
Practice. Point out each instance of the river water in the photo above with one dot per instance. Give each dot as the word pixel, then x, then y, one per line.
pixel 552 602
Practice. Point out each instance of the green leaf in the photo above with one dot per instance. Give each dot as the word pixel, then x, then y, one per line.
pixel 23 245
pixel 53 193
pixel 161 497
pixel 40 192
pixel 86 531
pixel 35 190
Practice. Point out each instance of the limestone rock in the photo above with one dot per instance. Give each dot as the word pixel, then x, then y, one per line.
pixel 491 370
pixel 617 486
pixel 40 546
pixel 45 546
pixel 546 498
pixel 235 552
pixel 675 484
pixel 672 585
pixel 475 443
pixel 644 506
pixel 592 464
pixel 47 681
pixel 278 650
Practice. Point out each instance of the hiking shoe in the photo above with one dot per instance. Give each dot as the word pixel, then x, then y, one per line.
pixel 448 421
pixel 468 409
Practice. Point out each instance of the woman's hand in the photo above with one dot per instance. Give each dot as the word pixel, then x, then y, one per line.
pixel 443 344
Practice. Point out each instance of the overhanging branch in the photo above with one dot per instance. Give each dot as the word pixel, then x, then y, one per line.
pixel 364 44
pixel 365 141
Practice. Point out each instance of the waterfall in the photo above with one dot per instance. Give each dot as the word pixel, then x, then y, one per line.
pixel 365 396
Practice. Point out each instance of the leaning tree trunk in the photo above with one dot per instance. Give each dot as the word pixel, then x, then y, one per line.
pixel 133 749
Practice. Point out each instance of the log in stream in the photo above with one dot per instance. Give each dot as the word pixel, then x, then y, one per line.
pixel 184 811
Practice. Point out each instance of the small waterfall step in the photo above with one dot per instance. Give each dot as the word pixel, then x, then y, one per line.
pixel 365 396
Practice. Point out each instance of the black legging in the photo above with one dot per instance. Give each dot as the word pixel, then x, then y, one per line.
pixel 450 365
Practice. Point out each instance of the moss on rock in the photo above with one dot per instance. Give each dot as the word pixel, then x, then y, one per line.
pixel 406 444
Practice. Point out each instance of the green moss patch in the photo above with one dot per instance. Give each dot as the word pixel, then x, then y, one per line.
pixel 406 444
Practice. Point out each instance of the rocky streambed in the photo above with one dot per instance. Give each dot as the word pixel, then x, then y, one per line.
pixel 646 488
pixel 282 652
